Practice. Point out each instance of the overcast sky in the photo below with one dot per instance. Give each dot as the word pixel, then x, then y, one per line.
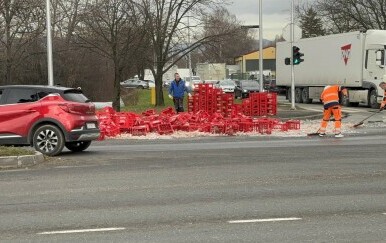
pixel 276 14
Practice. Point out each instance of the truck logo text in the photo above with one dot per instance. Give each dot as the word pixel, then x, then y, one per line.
pixel 346 51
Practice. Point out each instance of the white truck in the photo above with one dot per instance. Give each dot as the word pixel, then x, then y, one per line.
pixel 354 60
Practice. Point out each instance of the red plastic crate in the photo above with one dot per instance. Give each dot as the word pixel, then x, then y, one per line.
pixel 139 130
pixel 265 127
pixel 165 128
pixel 282 126
pixel 293 124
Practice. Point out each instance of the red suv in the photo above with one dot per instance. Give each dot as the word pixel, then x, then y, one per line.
pixel 47 118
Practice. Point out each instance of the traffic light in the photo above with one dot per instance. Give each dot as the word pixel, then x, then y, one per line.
pixel 297 55
pixel 287 61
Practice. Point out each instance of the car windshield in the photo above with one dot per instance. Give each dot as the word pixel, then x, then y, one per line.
pixel 227 83
pixel 250 84
pixel 75 95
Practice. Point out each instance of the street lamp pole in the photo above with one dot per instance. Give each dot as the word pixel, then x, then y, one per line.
pixel 293 107
pixel 261 66
pixel 189 54
pixel 49 45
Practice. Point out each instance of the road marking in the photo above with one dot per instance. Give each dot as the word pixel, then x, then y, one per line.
pixel 79 231
pixel 262 220
pixel 384 213
pixel 73 166
pixel 16 170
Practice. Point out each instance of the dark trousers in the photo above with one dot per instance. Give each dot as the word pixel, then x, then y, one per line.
pixel 179 104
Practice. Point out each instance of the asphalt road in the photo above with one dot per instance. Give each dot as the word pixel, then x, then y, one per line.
pixel 198 190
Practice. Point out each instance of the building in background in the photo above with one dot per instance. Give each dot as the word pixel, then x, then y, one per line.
pixel 249 63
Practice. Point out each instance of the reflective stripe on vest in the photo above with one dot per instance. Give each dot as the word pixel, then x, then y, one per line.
pixel 330 94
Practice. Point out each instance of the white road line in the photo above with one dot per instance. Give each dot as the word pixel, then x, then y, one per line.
pixel 79 231
pixel 262 220
pixel 73 166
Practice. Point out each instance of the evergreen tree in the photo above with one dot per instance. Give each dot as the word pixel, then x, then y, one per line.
pixel 311 24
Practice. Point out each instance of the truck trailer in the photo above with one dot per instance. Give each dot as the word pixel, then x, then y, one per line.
pixel 355 60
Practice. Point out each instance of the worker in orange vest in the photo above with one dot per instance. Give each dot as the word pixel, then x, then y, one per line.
pixel 383 86
pixel 330 98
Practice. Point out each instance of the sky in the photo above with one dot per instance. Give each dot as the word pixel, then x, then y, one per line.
pixel 276 14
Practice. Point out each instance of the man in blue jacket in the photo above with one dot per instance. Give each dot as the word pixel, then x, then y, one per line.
pixel 177 90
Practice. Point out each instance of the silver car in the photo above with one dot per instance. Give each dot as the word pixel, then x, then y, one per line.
pixel 135 84
pixel 227 86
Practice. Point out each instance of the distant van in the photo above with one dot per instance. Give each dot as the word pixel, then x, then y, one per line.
pixel 195 80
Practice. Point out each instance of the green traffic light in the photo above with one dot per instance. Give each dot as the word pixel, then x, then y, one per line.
pixel 297 55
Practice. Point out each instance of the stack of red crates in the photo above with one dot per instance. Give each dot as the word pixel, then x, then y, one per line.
pixel 226 104
pixel 255 102
pixel 260 104
pixel 272 104
pixel 263 103
pixel 211 100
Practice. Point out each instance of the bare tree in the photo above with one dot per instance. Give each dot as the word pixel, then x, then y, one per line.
pixel 226 47
pixel 340 16
pixel 19 28
pixel 112 29
pixel 167 30
pixel 68 54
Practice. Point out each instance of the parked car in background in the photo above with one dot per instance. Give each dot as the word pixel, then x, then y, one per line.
pixel 150 83
pixel 227 86
pixel 47 118
pixel 270 86
pixel 166 83
pixel 194 80
pixel 135 84
pixel 244 87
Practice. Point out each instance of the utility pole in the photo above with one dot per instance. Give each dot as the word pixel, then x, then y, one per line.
pixel 49 45
pixel 261 66
pixel 293 107
pixel 189 54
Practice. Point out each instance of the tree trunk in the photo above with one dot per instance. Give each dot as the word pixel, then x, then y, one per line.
pixel 158 89
pixel 117 87
pixel 8 45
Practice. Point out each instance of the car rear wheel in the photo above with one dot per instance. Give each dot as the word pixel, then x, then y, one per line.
pixel 78 146
pixel 48 140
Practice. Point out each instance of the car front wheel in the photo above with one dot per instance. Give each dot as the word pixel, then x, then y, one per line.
pixel 48 140
pixel 78 146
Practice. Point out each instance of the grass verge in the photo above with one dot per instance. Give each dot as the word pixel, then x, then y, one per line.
pixel 12 151
pixel 144 102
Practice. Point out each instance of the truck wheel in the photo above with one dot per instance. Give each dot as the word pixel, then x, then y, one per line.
pixel 345 101
pixel 298 95
pixel 78 146
pixel 289 97
pixel 48 140
pixel 373 99
pixel 306 96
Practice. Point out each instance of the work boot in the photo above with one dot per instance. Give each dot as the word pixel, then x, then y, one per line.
pixel 339 135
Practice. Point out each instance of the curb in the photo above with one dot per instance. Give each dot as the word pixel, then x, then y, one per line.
pixel 21 161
